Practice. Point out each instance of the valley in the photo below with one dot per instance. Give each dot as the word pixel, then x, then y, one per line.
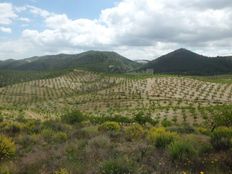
pixel 112 121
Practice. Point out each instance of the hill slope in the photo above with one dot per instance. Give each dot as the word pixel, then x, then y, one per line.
pixel 91 60
pixel 183 61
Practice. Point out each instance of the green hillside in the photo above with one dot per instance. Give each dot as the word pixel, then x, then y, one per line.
pixel 92 60
pixel 183 61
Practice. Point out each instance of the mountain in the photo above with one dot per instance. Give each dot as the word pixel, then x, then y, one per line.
pixel 142 61
pixel 183 61
pixel 100 61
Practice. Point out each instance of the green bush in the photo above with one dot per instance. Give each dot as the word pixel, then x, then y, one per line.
pixel 73 117
pixel 142 119
pixel 134 131
pixel 10 127
pixel 117 166
pixel 203 131
pixel 7 148
pixel 62 171
pixel 182 150
pixel 186 129
pixel 223 116
pixel 33 126
pixel 166 123
pixel 47 134
pixel 109 126
pixel 101 141
pixel 26 140
pixel 1 118
pixel 60 137
pixel 51 135
pixel 55 125
pixel 87 132
pixel 221 138
pixel 160 137
pixel 4 169
pixel 115 118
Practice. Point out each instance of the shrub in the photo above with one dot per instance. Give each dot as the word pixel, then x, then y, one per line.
pixel 73 117
pixel 51 135
pixel 120 119
pixel 60 137
pixel 100 141
pixel 33 126
pixel 99 147
pixel 20 118
pixel 142 119
pixel 25 140
pixel 187 129
pixel 62 171
pixel 223 117
pixel 54 125
pixel 11 127
pixel 160 137
pixel 1 118
pixel 181 150
pixel 87 132
pixel 117 166
pixel 47 134
pixel 4 169
pixel 166 123
pixel 203 130
pixel 134 131
pixel 7 148
pixel 115 118
pixel 221 138
pixel 109 126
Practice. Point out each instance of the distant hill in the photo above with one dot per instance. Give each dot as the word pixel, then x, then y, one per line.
pixel 142 61
pixel 183 61
pixel 92 60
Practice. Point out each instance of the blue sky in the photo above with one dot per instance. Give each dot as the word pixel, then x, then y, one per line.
pixel 73 8
pixel 137 29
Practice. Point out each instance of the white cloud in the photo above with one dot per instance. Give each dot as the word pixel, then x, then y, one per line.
pixel 137 29
pixel 5 29
pixel 7 14
pixel 23 19
pixel 38 11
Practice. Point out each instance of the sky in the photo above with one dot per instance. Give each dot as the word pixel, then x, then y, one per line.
pixel 137 29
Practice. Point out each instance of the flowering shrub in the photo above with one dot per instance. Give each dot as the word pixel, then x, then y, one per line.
pixel 160 137
pixel 134 131
pixel 7 148
pixel 109 126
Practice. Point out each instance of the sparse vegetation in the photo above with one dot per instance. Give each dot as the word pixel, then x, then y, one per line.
pixel 221 138
pixel 88 122
pixel 182 150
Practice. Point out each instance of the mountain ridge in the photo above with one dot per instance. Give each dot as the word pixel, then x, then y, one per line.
pixel 186 62
pixel 104 61
pixel 181 61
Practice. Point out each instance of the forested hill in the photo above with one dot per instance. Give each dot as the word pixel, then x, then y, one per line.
pixel 183 61
pixel 100 61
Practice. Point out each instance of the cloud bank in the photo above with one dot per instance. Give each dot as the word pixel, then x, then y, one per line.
pixel 138 29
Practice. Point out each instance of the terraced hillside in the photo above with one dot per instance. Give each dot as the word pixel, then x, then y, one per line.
pixel 177 99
